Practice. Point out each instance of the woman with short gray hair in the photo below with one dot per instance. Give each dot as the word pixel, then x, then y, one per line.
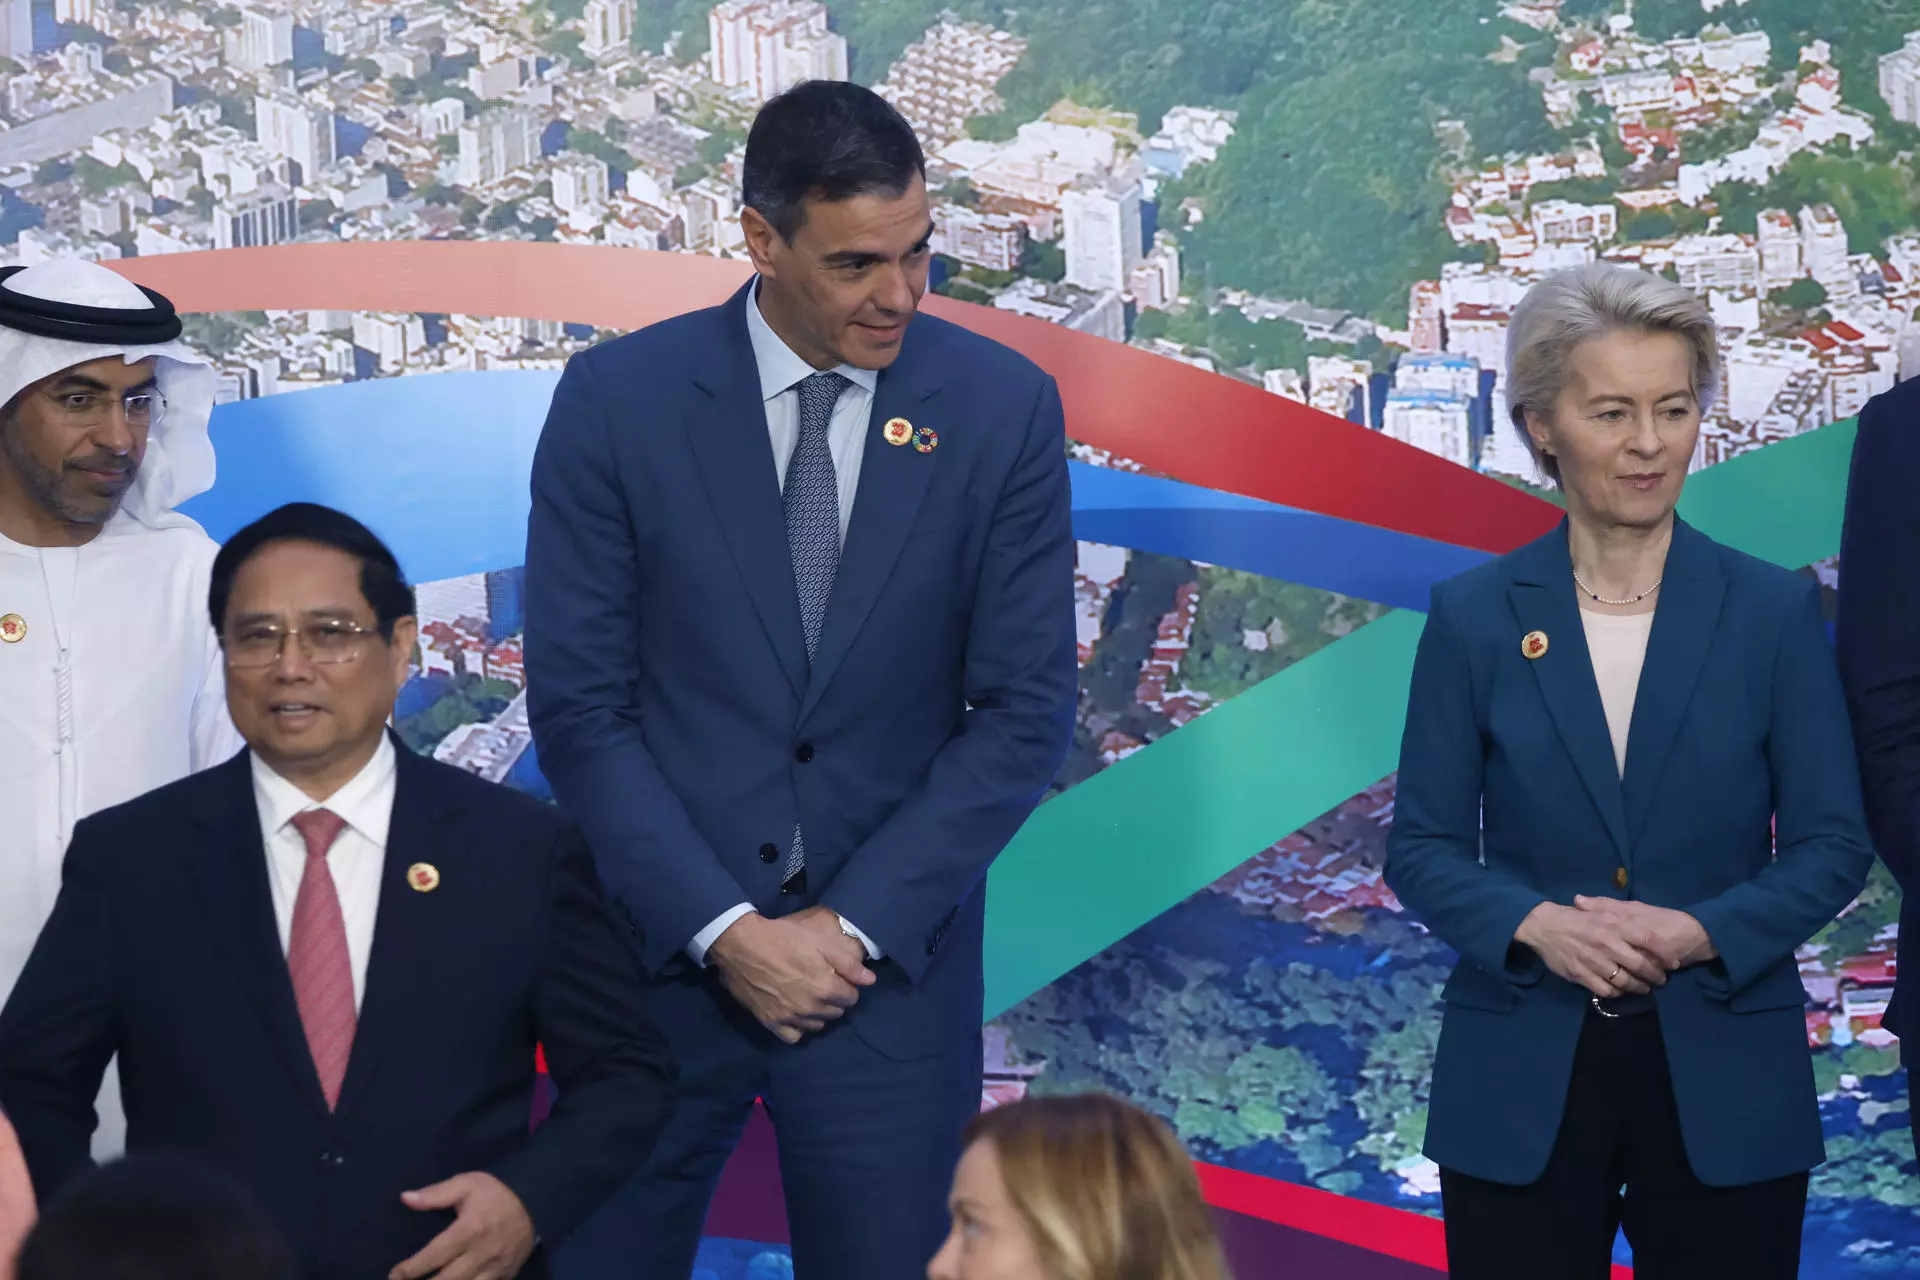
pixel 1605 730
pixel 1569 307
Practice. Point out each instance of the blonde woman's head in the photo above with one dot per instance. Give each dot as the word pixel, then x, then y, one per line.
pixel 1079 1187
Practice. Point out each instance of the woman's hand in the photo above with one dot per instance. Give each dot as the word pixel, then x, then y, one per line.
pixel 1674 938
pixel 1591 949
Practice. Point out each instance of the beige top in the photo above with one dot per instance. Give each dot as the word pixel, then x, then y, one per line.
pixel 1618 645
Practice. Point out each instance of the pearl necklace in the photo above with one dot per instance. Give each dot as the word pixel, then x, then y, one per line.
pixel 1600 599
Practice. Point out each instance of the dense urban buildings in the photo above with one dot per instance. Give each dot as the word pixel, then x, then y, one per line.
pixel 1715 152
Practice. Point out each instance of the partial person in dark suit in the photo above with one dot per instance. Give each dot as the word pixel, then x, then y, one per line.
pixel 1877 638
pixel 1605 729
pixel 326 965
pixel 801 660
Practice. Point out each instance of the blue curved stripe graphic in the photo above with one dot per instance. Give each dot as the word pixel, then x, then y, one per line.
pixel 437 464
pixel 1168 517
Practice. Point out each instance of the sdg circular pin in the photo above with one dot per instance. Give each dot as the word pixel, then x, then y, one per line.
pixel 926 440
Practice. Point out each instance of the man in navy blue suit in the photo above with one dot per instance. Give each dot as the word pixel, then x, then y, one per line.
pixel 800 652
pixel 326 964
pixel 1877 639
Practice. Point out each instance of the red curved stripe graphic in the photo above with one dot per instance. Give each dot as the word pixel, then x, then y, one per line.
pixel 1397 1233
pixel 1175 419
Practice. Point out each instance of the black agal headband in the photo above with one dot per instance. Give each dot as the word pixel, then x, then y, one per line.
pixel 118 326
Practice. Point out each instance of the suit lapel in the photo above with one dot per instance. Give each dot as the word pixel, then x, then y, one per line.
pixel 1543 600
pixel 735 458
pixel 1683 628
pixel 893 481
pixel 409 931
pixel 230 873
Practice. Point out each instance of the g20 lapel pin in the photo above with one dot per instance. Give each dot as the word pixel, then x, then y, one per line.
pixel 13 628
pixel 1535 644
pixel 424 877
pixel 926 439
pixel 897 431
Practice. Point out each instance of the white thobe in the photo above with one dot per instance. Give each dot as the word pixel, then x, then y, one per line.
pixel 141 704
pixel 116 686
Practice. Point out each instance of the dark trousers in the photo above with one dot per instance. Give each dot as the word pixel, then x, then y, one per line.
pixel 1619 1163
pixel 867 1146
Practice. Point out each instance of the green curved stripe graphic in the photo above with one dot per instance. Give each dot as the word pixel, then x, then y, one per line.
pixel 1782 503
pixel 1141 836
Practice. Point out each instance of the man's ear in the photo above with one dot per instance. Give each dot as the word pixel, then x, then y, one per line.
pixel 762 241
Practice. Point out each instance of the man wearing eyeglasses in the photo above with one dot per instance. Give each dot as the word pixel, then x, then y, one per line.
pixel 109 674
pixel 326 964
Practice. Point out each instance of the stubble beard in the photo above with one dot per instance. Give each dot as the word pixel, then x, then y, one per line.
pixel 43 484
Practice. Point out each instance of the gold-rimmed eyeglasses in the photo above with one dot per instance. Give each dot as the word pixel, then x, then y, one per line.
pixel 91 408
pixel 261 645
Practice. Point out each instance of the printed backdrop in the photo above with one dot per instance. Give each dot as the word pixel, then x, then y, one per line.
pixel 1268 247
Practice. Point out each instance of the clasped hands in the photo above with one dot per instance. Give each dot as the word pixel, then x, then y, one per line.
pixel 794 974
pixel 1613 947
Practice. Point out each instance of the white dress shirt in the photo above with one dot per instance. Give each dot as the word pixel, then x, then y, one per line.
pixel 358 855
pixel 781 372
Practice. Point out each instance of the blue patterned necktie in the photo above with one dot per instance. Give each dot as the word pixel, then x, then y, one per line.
pixel 811 496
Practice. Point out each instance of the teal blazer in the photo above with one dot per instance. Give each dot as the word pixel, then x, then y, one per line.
pixel 1509 797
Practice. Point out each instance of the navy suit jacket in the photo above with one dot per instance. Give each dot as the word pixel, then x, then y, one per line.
pixel 1738 723
pixel 162 947
pixel 672 702
pixel 1877 637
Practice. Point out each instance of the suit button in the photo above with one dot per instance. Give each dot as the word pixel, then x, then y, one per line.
pixel 332 1159
pixel 803 752
pixel 769 852
pixel 1620 877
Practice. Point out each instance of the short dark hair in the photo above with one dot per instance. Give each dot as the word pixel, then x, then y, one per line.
pixel 154 1217
pixel 381 581
pixel 825 140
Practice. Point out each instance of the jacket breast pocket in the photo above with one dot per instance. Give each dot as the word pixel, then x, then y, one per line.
pixel 1472 987
pixel 942 515
pixel 948 526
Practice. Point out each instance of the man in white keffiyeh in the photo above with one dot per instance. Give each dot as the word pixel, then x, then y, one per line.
pixel 110 677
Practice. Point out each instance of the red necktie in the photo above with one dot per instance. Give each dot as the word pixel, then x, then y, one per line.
pixel 317 956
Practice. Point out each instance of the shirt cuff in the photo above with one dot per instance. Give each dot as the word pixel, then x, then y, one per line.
pixel 873 948
pixel 697 949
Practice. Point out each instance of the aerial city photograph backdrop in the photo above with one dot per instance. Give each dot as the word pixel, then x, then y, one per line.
pixel 1270 249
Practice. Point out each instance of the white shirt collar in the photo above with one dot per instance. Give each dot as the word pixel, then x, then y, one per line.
pixel 366 801
pixel 780 366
